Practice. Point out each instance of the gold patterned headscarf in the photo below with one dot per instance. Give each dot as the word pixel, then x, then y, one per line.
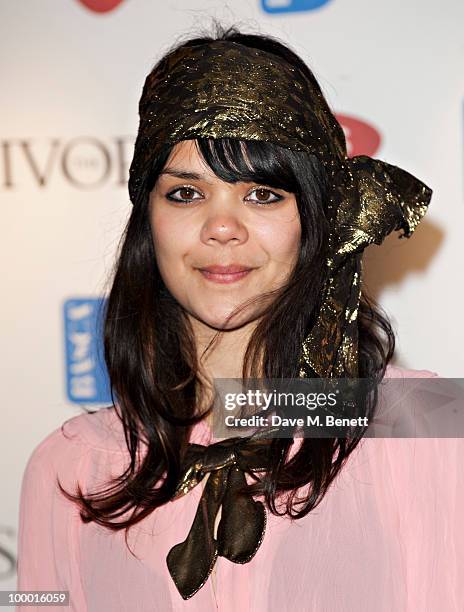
pixel 225 89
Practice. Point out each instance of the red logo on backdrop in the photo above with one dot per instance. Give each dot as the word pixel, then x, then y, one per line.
pixel 101 6
pixel 361 138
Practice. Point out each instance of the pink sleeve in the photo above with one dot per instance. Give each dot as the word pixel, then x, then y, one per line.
pixel 427 477
pixel 428 480
pixel 47 551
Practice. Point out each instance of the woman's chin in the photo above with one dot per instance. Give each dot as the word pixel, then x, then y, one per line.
pixel 218 321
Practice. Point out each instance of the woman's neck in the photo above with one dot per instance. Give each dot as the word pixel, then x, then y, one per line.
pixel 223 359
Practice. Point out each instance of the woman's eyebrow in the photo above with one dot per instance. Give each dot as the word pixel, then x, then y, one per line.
pixel 184 174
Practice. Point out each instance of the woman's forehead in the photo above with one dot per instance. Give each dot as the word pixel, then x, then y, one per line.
pixel 185 158
pixel 186 154
pixel 183 152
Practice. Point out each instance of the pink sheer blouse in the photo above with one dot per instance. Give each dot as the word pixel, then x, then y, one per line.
pixel 387 537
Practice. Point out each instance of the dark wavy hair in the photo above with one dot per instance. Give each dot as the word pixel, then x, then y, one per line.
pixel 151 354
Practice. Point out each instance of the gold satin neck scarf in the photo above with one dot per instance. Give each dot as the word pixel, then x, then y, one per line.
pixel 241 528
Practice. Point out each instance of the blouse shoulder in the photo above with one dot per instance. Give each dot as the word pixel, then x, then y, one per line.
pixel 393 371
pixel 100 430
pixel 78 438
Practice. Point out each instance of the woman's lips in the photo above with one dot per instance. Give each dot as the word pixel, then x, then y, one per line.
pixel 225 274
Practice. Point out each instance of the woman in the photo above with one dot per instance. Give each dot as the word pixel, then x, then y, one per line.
pixel 241 258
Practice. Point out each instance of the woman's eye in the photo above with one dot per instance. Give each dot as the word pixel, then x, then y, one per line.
pixel 185 193
pixel 263 194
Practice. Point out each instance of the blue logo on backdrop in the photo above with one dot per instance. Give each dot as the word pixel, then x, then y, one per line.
pixel 86 375
pixel 288 6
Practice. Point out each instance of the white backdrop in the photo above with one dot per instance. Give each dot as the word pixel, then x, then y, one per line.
pixel 71 79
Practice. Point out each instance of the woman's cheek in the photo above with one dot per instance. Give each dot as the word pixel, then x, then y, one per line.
pixel 281 239
pixel 166 234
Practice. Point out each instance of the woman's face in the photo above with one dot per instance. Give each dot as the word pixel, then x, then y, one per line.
pixel 225 243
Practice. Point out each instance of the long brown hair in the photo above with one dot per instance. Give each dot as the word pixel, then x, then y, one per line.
pixel 151 354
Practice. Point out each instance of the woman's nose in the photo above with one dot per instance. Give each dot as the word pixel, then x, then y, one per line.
pixel 222 227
